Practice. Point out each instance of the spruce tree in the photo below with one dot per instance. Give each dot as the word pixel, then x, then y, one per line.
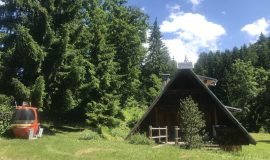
pixel 157 62
pixel 191 122
pixel 82 58
pixel 250 81
pixel 38 93
pixel 40 41
pixel 263 52
pixel 126 32
pixel 103 106
pixel 158 59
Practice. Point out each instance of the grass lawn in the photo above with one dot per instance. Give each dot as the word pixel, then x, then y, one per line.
pixel 65 145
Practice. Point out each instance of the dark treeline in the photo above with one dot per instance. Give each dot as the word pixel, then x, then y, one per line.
pixel 244 82
pixel 80 60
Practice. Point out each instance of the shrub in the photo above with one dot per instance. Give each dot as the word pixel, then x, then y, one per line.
pixel 140 139
pixel 104 112
pixel 106 133
pixel 192 123
pixel 38 93
pixel 5 113
pixel 263 130
pixel 89 135
pixel 132 115
pixel 120 131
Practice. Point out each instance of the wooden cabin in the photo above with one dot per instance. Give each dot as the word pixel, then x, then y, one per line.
pixel 221 125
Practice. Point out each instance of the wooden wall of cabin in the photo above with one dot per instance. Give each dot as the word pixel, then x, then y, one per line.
pixel 165 112
pixel 161 116
pixel 229 133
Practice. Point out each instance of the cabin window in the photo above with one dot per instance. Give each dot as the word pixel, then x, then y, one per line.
pixel 24 114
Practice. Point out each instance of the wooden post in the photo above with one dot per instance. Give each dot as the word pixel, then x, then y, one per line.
pixel 159 139
pixel 176 134
pixel 215 116
pixel 150 131
pixel 166 130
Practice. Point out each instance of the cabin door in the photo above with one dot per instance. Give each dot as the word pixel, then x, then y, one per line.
pixel 167 118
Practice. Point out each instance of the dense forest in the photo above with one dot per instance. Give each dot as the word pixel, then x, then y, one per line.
pixel 243 75
pixel 81 60
pixel 85 61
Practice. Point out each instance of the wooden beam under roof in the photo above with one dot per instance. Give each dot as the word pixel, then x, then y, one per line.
pixel 184 91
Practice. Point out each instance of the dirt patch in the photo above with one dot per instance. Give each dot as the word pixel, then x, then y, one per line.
pixel 159 146
pixel 185 156
pixel 91 151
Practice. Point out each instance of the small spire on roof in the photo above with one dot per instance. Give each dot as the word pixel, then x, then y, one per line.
pixel 186 59
pixel 187 64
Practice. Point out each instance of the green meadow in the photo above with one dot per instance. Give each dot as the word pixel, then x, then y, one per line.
pixel 67 146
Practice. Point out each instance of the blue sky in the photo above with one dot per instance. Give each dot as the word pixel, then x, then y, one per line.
pixel 192 26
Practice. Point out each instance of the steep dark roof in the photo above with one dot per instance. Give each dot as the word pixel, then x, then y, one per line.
pixel 210 93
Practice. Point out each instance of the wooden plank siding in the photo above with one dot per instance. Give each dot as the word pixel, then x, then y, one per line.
pixel 164 111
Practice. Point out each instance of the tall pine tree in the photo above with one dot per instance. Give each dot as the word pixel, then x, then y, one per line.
pixel 127 28
pixel 103 107
pixel 40 42
pixel 157 62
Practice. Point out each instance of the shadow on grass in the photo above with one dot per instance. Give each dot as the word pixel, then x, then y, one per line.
pixel 49 130
pixel 8 135
pixel 264 141
pixel 54 129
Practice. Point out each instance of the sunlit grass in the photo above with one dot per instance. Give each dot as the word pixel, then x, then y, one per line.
pixel 67 146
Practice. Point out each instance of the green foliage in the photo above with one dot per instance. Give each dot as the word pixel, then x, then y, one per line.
pixel 243 78
pixel 244 95
pixel 83 57
pixel 245 73
pixel 105 112
pixel 5 113
pixel 158 59
pixel 140 139
pixel 29 53
pixel 120 132
pixel 154 84
pixel 127 33
pixel 262 130
pixel 157 62
pixel 89 135
pixel 21 92
pixel 192 123
pixel 266 106
pixel 38 93
pixel 132 114
pixel 106 133
pixel 88 56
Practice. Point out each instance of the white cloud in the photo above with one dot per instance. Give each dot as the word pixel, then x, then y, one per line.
pixel 1 3
pixel 195 2
pixel 192 33
pixel 143 9
pixel 178 50
pixel 173 8
pixel 256 28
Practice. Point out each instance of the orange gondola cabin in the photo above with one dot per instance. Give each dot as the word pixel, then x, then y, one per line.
pixel 25 122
